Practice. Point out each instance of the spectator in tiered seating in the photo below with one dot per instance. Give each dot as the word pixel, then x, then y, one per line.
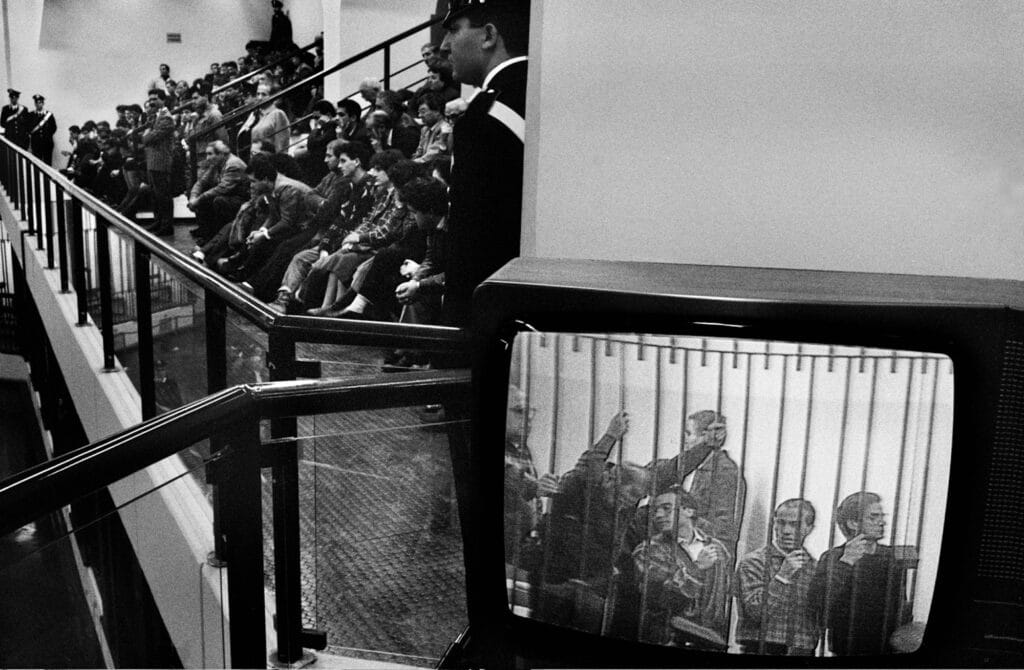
pixel 229 72
pixel 220 190
pixel 322 132
pixel 349 126
pixel 206 115
pixel 289 215
pixel 226 250
pixel 86 156
pixel 421 293
pixel 73 134
pixel 336 270
pixel 428 51
pixel 368 90
pixel 348 193
pixel 436 134
pixel 391 127
pixel 266 122
pixel 158 141
pixel 382 287
pixel 439 82
pixel 161 82
pixel 398 233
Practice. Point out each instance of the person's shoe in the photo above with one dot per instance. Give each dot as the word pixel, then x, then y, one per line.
pixel 198 254
pixel 319 311
pixel 348 314
pixel 431 414
pixel 247 287
pixel 281 302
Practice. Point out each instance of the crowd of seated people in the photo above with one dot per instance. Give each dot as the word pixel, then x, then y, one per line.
pixel 627 550
pixel 319 208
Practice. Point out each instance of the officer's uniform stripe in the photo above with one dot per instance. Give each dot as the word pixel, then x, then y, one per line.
pixel 508 118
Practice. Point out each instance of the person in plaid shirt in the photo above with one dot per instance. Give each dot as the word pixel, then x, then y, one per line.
pixel 772 588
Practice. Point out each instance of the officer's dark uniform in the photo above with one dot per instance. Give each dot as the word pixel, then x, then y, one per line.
pixel 486 188
pixel 41 127
pixel 14 119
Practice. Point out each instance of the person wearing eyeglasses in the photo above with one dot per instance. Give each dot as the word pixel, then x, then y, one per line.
pixel 859 588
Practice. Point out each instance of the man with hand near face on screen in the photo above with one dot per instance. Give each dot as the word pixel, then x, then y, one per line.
pixel 772 587
pixel 859 587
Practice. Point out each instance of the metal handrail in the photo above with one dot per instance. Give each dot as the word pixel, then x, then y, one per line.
pixel 47 487
pixel 245 110
pixel 303 328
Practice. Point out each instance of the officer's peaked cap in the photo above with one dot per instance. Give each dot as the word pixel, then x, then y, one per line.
pixel 457 8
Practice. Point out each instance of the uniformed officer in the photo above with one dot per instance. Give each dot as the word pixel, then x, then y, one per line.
pixel 14 120
pixel 42 126
pixel 486 42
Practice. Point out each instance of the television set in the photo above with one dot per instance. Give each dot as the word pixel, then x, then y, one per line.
pixel 704 466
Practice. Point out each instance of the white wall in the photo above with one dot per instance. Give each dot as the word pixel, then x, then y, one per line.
pixel 875 136
pixel 87 56
pixel 355 25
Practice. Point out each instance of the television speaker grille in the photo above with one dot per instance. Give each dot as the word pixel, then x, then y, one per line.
pixel 1002 541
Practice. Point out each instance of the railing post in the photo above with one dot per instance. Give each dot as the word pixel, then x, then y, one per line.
pixel 387 67
pixel 78 264
pixel 106 293
pixel 48 215
pixel 30 197
pixel 215 316
pixel 62 237
pixel 287 569
pixel 144 315
pixel 21 185
pixel 243 528
pixel 37 205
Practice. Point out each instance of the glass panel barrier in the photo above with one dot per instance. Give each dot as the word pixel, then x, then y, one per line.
pixel 382 564
pixel 80 585
pixel 179 337
pixel 246 351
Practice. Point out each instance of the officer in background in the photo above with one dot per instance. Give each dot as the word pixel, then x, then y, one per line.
pixel 14 120
pixel 486 42
pixel 41 126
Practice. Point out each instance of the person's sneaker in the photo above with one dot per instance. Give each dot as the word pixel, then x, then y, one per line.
pixel 281 302
pixel 431 414
pixel 199 255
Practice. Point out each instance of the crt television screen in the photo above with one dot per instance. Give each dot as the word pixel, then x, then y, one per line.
pixel 733 495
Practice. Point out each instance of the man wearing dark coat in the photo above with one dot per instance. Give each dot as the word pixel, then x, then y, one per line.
pixel 158 141
pixel 487 43
pixel 41 126
pixel 14 120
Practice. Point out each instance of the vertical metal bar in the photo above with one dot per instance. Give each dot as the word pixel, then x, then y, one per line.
pixel 287 568
pixel 593 392
pixel 22 190
pixel 48 220
pixel 871 423
pixel 37 206
pixel 106 299
pixel 557 359
pixel 243 528
pixel 807 432
pixel 78 266
pixel 144 314
pixel 62 239
pixel 844 421
pixel 387 67
pixel 778 437
pixel 927 469
pixel 899 489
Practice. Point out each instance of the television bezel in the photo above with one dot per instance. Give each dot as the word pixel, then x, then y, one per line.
pixel 967 320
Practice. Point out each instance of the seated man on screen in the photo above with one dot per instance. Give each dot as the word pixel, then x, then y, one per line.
pixel 681 572
pixel 858 589
pixel 772 584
